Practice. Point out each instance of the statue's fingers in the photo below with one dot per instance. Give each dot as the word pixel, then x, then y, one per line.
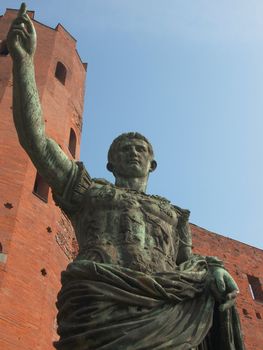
pixel 11 34
pixel 17 21
pixel 21 28
pixel 22 19
pixel 17 33
pixel 22 10
pixel 227 305
pixel 29 25
pixel 26 21
pixel 232 295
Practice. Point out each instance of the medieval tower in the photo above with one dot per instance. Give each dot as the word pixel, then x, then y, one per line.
pixel 36 239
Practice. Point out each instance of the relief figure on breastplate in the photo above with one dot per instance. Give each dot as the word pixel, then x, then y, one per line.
pixel 136 283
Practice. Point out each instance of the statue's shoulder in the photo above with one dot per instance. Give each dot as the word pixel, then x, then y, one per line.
pixel 100 182
pixel 182 214
pixel 159 198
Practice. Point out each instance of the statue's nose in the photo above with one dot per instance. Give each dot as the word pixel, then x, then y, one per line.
pixel 133 151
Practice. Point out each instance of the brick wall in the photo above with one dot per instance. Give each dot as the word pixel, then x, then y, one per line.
pixel 240 260
pixel 36 239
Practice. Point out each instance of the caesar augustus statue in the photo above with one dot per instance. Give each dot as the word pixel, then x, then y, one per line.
pixel 135 283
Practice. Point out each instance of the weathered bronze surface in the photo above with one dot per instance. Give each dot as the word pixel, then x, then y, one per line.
pixel 135 283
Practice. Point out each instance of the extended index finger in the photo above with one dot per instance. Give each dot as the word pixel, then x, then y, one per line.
pixel 22 10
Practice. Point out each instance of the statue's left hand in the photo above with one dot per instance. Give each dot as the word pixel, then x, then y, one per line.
pixel 224 288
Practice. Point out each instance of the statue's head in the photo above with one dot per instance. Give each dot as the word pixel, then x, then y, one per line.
pixel 131 155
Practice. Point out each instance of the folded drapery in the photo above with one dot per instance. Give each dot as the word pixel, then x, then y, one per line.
pixel 108 307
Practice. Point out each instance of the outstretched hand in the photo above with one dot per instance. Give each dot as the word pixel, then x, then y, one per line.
pixel 21 38
pixel 224 288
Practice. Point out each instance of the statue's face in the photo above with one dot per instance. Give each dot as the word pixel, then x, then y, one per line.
pixel 132 159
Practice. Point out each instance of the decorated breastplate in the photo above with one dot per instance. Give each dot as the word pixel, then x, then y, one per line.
pixel 125 227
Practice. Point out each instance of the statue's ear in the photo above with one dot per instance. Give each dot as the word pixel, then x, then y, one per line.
pixel 153 165
pixel 110 167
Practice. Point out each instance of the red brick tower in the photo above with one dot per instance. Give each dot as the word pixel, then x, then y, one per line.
pixel 36 240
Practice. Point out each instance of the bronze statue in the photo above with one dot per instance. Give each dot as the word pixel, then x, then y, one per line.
pixel 135 283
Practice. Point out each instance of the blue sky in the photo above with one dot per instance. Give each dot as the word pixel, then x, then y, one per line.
pixel 188 74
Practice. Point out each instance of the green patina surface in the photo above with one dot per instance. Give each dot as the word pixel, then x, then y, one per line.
pixel 136 283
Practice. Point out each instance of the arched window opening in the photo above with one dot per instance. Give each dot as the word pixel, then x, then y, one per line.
pixel 61 72
pixel 72 142
pixel 245 312
pixel 255 288
pixel 258 316
pixel 41 188
pixel 3 256
pixel 3 48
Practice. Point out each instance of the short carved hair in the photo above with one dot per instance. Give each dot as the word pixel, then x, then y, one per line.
pixel 123 137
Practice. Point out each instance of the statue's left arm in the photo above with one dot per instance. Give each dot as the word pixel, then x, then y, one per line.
pixel 222 284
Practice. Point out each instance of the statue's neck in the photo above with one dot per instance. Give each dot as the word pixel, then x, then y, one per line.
pixel 137 184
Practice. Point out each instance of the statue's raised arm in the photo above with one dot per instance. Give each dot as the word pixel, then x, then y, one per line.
pixel 51 162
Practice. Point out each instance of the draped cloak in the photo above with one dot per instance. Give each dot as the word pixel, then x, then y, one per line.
pixel 105 306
